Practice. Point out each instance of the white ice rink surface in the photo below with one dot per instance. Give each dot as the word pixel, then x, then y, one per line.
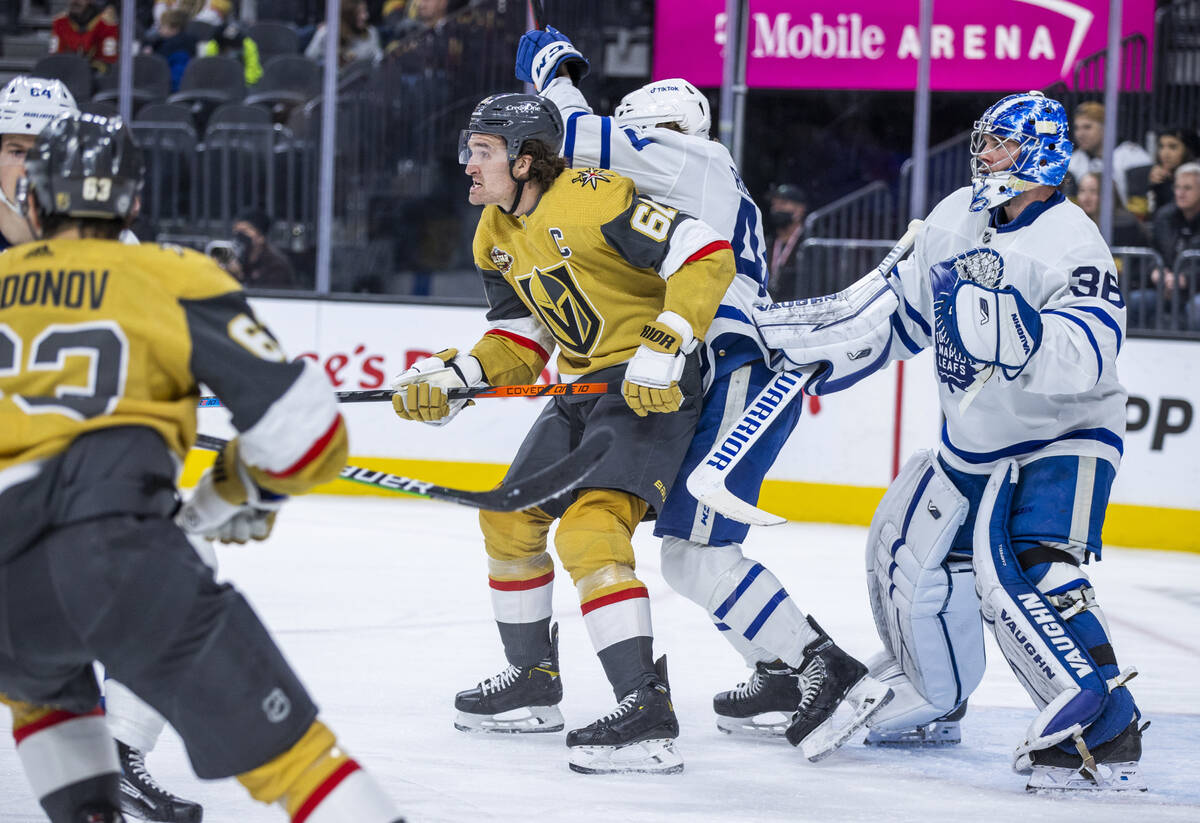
pixel 382 607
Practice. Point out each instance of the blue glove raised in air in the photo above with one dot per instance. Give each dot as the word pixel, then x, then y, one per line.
pixel 541 53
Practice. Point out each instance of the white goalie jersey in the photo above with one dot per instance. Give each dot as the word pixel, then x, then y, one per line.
pixel 696 176
pixel 1067 399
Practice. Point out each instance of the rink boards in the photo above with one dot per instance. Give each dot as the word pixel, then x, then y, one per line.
pixel 834 469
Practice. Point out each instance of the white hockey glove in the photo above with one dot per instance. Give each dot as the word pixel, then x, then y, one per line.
pixel 228 505
pixel 652 376
pixel 421 389
pixel 540 55
pixel 994 327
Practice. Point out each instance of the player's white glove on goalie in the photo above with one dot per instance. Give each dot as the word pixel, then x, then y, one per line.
pixel 421 390
pixel 995 327
pixel 652 376
pixel 228 505
pixel 541 53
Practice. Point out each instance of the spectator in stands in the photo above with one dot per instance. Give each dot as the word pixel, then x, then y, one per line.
pixel 255 261
pixel 1127 230
pixel 357 39
pixel 230 38
pixel 424 39
pixel 171 40
pixel 785 233
pixel 1087 133
pixel 89 29
pixel 1176 230
pixel 1176 146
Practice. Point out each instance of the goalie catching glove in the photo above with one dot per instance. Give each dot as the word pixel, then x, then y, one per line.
pixel 421 390
pixel 652 376
pixel 995 327
pixel 227 504
pixel 540 55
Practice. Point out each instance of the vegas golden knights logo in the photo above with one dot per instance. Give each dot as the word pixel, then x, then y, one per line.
pixel 563 307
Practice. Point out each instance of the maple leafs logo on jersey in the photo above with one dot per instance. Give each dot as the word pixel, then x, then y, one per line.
pixel 562 307
pixel 978 265
pixel 502 259
pixel 593 176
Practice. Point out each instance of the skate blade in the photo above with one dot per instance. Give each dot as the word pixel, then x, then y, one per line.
pixel 867 697
pixel 644 757
pixel 767 724
pixel 1113 777
pixel 525 720
pixel 938 733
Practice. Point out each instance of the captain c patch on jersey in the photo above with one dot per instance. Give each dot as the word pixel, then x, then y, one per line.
pixel 562 307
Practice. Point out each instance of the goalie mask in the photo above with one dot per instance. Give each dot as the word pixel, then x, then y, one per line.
pixel 83 165
pixel 28 105
pixel 666 101
pixel 1032 129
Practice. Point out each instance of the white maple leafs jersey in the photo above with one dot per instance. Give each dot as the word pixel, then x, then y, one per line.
pixel 1068 399
pixel 698 177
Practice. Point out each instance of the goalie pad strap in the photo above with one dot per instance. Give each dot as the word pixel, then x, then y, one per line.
pixel 924 605
pixel 1044 554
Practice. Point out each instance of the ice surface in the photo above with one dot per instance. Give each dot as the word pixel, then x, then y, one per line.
pixel 382 606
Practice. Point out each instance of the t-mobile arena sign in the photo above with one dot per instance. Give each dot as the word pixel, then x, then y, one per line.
pixel 1001 45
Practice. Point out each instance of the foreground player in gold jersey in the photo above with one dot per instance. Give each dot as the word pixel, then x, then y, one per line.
pixel 625 287
pixel 102 349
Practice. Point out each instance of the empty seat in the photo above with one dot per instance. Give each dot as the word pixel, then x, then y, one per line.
pixel 99 107
pixel 288 81
pixel 237 168
pixel 72 69
pixel 151 81
pixel 274 38
pixel 166 113
pixel 209 82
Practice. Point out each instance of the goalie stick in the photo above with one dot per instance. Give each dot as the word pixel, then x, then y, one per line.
pixel 514 494
pixel 707 481
pixel 529 390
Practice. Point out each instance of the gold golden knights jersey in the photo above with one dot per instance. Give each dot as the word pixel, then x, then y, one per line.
pixel 586 270
pixel 96 334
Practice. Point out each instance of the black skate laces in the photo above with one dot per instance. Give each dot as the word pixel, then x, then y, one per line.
pixel 500 681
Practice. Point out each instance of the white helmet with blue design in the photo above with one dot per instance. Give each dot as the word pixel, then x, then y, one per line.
pixel 27 106
pixel 1032 129
pixel 666 101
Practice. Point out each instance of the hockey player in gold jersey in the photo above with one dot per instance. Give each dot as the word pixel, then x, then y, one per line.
pixel 624 287
pixel 102 350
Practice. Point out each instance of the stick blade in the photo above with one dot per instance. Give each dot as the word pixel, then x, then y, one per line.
pixel 708 486
pixel 553 481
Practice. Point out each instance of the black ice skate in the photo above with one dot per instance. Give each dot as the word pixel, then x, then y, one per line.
pixel 1111 766
pixel 830 678
pixel 144 799
pixel 945 730
pixel 520 699
pixel 637 736
pixel 763 705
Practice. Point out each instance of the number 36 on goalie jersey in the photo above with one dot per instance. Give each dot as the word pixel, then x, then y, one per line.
pixel 97 334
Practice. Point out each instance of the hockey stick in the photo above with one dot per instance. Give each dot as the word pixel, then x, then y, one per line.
pixel 707 481
pixel 511 495
pixel 528 390
pixel 538 13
